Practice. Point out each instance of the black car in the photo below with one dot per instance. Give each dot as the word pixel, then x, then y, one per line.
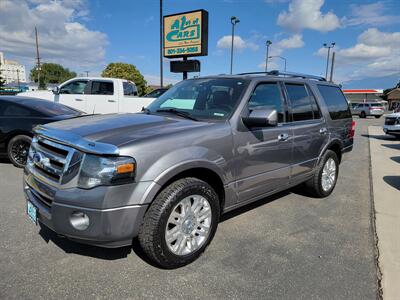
pixel 18 116
pixel 156 93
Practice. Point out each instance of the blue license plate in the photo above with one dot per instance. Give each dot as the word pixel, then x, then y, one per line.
pixel 32 212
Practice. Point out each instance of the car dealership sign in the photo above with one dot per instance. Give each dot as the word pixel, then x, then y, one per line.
pixel 186 34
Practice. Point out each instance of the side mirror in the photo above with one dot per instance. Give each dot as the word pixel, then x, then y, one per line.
pixel 56 90
pixel 261 118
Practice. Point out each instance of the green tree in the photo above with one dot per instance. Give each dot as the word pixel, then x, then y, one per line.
pixel 128 72
pixel 51 73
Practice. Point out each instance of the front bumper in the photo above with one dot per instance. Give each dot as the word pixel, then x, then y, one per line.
pixel 108 227
pixel 392 129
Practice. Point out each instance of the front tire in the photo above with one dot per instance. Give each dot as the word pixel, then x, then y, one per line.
pixel 324 180
pixel 180 223
pixel 363 115
pixel 377 117
pixel 18 149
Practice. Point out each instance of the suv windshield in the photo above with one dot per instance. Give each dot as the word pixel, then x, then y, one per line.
pixel 208 98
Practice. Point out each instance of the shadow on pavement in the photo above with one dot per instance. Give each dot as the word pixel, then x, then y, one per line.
pixel 379 137
pixel 396 159
pixel 394 181
pixel 87 250
pixel 392 146
pixel 253 205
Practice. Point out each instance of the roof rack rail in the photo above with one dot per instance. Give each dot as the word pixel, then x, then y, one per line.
pixel 288 74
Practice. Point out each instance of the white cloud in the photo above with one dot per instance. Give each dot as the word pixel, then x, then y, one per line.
pixel 306 14
pixel 295 41
pixel 375 54
pixel 374 14
pixel 225 42
pixel 374 37
pixel 63 38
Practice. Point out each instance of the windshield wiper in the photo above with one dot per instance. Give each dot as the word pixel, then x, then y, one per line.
pixel 177 112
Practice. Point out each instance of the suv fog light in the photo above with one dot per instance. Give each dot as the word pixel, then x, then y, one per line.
pixel 79 220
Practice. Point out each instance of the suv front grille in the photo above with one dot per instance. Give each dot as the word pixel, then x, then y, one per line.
pixel 52 162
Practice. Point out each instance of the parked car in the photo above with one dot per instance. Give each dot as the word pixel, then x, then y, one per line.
pixel 96 95
pixel 18 115
pixel 392 124
pixel 207 146
pixel 375 109
pixel 156 93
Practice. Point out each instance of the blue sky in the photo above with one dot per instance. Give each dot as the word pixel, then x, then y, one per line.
pixel 86 35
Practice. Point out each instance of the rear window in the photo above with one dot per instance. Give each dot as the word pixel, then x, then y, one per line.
pixel 102 88
pixel 376 104
pixel 53 109
pixel 335 102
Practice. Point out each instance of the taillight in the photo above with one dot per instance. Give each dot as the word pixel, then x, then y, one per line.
pixel 353 129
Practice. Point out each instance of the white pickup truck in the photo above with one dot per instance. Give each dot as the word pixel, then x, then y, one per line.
pixel 95 95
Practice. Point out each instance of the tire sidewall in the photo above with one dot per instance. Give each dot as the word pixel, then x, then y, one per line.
pixel 15 139
pixel 328 154
pixel 195 188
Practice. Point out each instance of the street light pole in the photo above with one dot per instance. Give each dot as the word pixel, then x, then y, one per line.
pixel 234 21
pixel 268 43
pixel 161 44
pixel 327 58
pixel 284 59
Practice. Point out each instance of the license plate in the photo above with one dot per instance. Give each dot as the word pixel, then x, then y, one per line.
pixel 31 211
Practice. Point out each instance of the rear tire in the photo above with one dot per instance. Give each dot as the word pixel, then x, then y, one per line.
pixel 18 149
pixel 324 180
pixel 175 208
pixel 363 115
pixel 377 117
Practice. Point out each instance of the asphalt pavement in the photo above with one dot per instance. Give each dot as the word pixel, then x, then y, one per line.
pixel 288 246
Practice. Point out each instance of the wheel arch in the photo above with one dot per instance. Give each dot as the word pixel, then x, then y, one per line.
pixel 336 146
pixel 203 172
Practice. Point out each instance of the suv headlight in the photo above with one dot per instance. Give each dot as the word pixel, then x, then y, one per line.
pixel 98 170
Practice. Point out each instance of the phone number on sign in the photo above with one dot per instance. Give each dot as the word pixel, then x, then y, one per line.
pixel 186 50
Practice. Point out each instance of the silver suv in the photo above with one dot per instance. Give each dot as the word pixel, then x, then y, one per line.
pixel 375 109
pixel 206 146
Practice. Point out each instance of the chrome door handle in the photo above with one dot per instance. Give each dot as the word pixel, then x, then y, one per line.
pixel 78 99
pixel 111 100
pixel 283 137
pixel 323 130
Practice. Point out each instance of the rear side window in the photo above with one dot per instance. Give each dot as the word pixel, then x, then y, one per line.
pixel 102 88
pixel 302 108
pixel 129 89
pixel 15 111
pixel 335 101
pixel 268 95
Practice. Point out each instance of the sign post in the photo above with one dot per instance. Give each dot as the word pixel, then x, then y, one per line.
pixel 186 35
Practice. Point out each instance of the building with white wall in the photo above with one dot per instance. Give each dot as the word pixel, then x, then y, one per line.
pixel 11 71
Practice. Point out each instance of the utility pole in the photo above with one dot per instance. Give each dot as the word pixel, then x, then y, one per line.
pixel 161 44
pixel 18 79
pixel 37 57
pixel 327 58
pixel 332 65
pixel 234 21
pixel 268 43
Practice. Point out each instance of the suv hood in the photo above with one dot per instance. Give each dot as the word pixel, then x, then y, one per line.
pixel 394 115
pixel 96 133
